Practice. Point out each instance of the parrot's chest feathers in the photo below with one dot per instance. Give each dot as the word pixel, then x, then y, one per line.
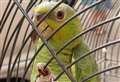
pixel 58 40
pixel 60 37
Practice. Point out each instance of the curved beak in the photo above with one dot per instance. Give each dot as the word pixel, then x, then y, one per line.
pixel 41 27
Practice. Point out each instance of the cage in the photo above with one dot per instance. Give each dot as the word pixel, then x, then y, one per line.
pixel 17 53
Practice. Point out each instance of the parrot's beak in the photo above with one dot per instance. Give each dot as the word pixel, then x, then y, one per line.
pixel 42 28
pixel 38 14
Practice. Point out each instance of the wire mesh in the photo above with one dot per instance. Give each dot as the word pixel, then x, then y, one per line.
pixel 17 53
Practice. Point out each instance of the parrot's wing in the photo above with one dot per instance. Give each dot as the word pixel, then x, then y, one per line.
pixel 86 66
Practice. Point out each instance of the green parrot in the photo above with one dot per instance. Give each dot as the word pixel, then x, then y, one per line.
pixel 76 49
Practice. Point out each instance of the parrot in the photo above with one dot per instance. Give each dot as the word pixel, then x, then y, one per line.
pixel 77 48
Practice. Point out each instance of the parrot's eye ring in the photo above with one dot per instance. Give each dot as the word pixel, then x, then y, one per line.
pixel 60 15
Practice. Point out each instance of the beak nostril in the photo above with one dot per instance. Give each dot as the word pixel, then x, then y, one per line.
pixel 38 17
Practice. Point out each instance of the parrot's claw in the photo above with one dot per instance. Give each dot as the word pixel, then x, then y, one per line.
pixel 43 71
pixel 44 74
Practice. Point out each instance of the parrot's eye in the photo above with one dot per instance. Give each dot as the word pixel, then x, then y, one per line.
pixel 60 15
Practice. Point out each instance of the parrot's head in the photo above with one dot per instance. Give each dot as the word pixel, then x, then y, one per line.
pixel 55 18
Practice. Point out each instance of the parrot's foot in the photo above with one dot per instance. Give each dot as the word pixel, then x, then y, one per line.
pixel 45 74
pixel 43 71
